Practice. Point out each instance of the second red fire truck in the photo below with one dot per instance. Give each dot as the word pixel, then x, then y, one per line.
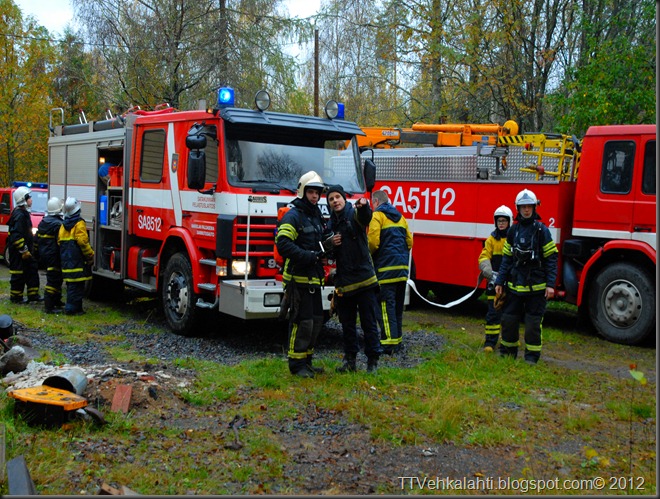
pixel 188 207
pixel 598 197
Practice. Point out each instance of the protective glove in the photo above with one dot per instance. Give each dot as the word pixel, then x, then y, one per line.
pixel 26 255
pixel 486 269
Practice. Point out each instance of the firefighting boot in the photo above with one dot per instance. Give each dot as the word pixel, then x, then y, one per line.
pixel 349 364
pixel 314 369
pixel 50 305
pixel 299 368
pixel 508 351
pixel 532 357
pixel 372 365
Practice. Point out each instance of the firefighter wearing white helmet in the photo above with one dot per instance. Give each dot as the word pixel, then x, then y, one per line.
pixel 489 264
pixel 298 240
pixel 529 272
pixel 23 268
pixel 47 253
pixel 310 180
pixel 76 254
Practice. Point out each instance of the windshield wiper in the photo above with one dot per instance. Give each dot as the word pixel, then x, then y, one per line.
pixel 262 181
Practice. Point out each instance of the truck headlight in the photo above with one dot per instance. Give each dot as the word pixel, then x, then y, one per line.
pixel 272 299
pixel 238 267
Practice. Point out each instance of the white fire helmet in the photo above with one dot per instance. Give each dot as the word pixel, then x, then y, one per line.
pixel 503 211
pixel 526 197
pixel 21 195
pixel 71 207
pixel 54 206
pixel 309 179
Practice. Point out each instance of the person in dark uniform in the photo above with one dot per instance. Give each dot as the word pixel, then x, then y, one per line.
pixel 529 271
pixel 390 243
pixel 356 284
pixel 47 253
pixel 76 255
pixel 298 241
pixel 23 268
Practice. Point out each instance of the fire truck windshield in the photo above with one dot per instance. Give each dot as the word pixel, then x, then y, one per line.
pixel 39 201
pixel 281 165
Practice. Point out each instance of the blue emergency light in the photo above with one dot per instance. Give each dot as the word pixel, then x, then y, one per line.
pixel 340 110
pixel 225 97
pixel 36 185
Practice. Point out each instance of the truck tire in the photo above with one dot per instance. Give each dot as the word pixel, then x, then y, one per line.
pixel 179 296
pixel 622 304
pixel 6 256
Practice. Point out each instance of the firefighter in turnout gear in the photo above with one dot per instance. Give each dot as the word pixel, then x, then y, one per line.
pixel 47 252
pixel 298 240
pixel 76 255
pixel 529 271
pixel 489 264
pixel 390 243
pixel 356 284
pixel 23 268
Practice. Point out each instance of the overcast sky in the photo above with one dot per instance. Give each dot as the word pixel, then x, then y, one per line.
pixel 56 14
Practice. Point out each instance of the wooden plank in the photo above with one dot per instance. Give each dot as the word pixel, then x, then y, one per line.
pixel 122 399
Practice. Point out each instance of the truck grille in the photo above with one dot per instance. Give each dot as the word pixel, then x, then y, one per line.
pixel 262 235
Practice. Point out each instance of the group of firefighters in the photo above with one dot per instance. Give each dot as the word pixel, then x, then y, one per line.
pixel 61 246
pixel 371 250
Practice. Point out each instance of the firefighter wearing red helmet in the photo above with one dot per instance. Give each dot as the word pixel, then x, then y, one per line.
pixel 529 272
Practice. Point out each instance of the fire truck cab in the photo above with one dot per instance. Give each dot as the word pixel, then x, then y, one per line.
pixel 188 208
pixel 37 212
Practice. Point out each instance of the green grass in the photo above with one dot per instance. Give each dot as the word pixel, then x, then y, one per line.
pixel 457 395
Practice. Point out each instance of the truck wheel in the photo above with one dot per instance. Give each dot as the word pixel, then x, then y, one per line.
pixel 622 304
pixel 6 256
pixel 179 295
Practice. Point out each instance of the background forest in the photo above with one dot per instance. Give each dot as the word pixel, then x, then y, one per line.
pixel 551 65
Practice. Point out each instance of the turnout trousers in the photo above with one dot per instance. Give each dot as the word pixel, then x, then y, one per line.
pixel 530 308
pixel 305 323
pixel 392 297
pixel 366 303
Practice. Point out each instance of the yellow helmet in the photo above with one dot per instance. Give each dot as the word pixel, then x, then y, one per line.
pixel 310 179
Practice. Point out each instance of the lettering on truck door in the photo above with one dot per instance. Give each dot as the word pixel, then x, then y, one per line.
pixel 151 200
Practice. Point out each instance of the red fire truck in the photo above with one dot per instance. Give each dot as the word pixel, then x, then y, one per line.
pixel 190 208
pixel 598 197
pixel 37 211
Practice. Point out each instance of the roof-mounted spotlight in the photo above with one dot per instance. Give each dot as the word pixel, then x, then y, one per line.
pixel 262 100
pixel 225 97
pixel 331 109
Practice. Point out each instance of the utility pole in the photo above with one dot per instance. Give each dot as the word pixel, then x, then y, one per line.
pixel 316 71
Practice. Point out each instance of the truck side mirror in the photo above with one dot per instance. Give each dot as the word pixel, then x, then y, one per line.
pixel 196 141
pixel 369 174
pixel 196 168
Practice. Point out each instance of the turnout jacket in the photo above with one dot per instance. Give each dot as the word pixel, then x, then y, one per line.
pixel 19 228
pixel 46 249
pixel 529 258
pixel 75 251
pixel 355 268
pixel 490 257
pixel 389 244
pixel 298 240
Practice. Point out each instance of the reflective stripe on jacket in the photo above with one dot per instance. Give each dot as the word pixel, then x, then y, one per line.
pixel 298 239
pixel 75 251
pixel 390 241
pixel 355 268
